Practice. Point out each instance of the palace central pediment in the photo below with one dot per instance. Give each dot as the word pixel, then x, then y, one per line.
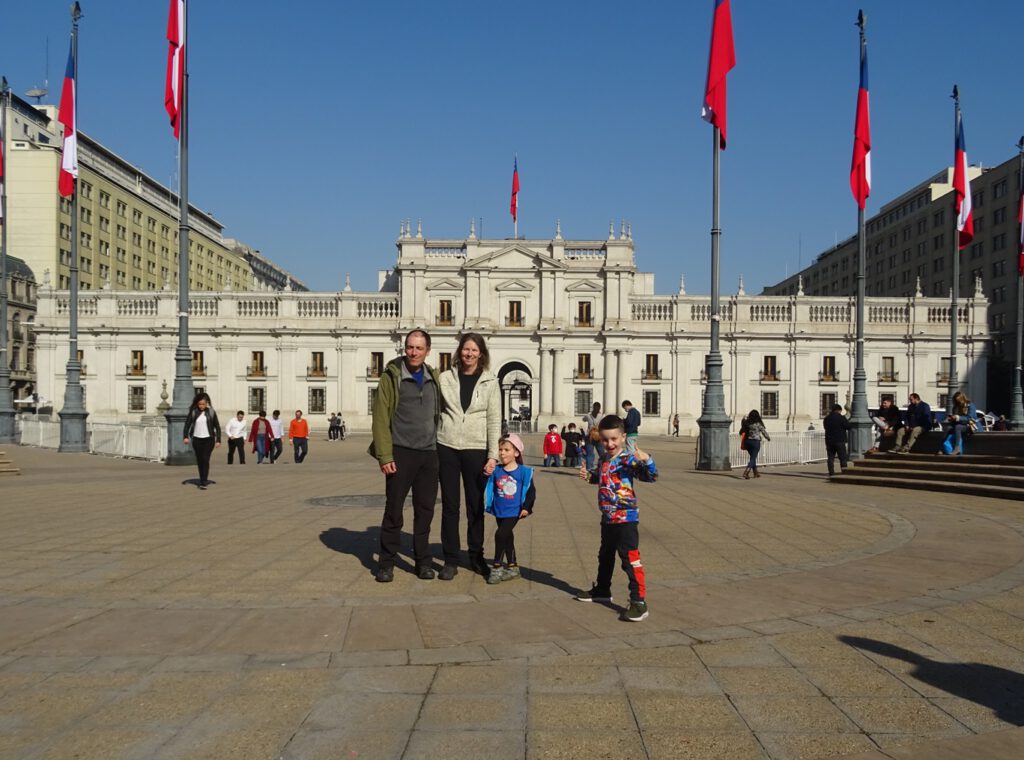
pixel 514 258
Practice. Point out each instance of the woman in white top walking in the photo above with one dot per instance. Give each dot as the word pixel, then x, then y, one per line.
pixel 467 449
pixel 202 430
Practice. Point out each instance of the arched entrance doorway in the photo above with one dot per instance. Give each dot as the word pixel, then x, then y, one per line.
pixel 517 397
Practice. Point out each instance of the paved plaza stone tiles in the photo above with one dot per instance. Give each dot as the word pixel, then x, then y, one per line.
pixel 790 618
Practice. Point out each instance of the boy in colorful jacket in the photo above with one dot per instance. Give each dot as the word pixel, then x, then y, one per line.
pixel 620 527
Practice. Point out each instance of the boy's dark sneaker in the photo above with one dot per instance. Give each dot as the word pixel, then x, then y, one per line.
pixel 636 612
pixel 594 595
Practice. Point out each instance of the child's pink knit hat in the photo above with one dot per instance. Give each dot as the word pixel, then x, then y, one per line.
pixel 516 442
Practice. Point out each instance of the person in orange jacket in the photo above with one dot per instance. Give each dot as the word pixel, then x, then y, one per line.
pixel 298 434
pixel 552 447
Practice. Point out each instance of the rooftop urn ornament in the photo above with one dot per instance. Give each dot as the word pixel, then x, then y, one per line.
pixel 622 229
pixel 741 291
pixel 227 283
pixel 167 282
pixel 46 278
pixel 348 283
pixel 629 230
pixel 558 229
pixel 682 284
pixel 800 285
pixel 472 229
pixel 917 287
pixel 163 406
pixel 419 229
pixel 611 230
pixel 106 281
pixel 978 291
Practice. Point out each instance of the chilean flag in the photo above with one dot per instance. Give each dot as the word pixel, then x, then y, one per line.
pixel 721 60
pixel 69 118
pixel 2 176
pixel 860 169
pixel 175 64
pixel 514 208
pixel 962 188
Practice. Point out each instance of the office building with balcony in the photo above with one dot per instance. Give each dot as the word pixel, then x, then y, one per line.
pixel 568 323
pixel 910 252
pixel 21 339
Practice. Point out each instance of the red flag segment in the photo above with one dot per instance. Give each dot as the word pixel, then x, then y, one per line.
pixel 175 83
pixel 962 188
pixel 721 60
pixel 860 168
pixel 68 116
pixel 514 207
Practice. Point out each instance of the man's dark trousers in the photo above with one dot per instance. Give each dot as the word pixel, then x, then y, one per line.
pixel 416 470
pixel 233 444
pixel 468 466
pixel 835 449
pixel 301 449
pixel 276 448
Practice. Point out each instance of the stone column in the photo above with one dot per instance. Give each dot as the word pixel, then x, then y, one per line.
pixel 557 396
pixel 546 382
pixel 610 369
pixel 622 385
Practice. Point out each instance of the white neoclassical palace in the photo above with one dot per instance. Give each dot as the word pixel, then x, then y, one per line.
pixel 568 322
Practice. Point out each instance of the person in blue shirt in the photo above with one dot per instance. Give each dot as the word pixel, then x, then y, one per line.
pixel 918 420
pixel 960 422
pixel 509 496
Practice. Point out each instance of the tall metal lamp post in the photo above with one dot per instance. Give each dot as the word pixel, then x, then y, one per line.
pixel 7 430
pixel 73 436
pixel 1017 397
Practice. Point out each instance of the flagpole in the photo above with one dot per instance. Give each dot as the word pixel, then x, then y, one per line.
pixel 953 384
pixel 1017 396
pixel 73 436
pixel 7 426
pixel 860 419
pixel 713 446
pixel 178 453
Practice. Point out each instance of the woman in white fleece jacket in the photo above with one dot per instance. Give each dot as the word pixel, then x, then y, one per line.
pixel 467 449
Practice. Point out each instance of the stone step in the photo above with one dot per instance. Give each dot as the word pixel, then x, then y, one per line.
pixel 9 471
pixel 944 486
pixel 937 474
pixel 943 464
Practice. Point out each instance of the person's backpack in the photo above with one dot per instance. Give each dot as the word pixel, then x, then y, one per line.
pixel 595 434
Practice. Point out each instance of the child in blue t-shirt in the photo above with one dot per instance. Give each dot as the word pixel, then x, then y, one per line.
pixel 509 496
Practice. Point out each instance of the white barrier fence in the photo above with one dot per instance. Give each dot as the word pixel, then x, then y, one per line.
pixel 795 447
pixel 132 441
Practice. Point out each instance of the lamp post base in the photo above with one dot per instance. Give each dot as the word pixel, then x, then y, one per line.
pixel 8 428
pixel 177 452
pixel 713 443
pixel 74 436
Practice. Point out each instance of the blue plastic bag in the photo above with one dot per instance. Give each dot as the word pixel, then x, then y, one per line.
pixel 947 445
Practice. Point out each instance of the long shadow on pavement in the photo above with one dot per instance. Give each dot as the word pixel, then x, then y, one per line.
pixel 998 689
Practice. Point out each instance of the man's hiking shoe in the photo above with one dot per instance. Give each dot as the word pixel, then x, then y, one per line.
pixel 594 595
pixel 448 572
pixel 637 611
pixel 425 573
pixel 385 575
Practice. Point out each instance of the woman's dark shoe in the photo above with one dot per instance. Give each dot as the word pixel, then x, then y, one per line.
pixel 426 573
pixel 385 574
pixel 448 572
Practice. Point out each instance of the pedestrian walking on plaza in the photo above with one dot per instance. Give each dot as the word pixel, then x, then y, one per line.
pixel 202 431
pixel 616 472
pixel 235 431
pixel 917 420
pixel 675 425
pixel 509 496
pixel 298 433
pixel 406 410
pixel 467 449
pixel 837 428
pixel 277 427
pixel 342 428
pixel 632 425
pixel 261 437
pixel 755 431
pixel 592 435
pixel 332 427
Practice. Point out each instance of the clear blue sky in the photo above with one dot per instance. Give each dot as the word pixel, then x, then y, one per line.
pixel 317 125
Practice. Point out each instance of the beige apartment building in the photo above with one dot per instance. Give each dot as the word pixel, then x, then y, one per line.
pixel 127 221
pixel 910 252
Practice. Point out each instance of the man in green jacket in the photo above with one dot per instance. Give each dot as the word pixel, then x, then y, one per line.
pixel 405 417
